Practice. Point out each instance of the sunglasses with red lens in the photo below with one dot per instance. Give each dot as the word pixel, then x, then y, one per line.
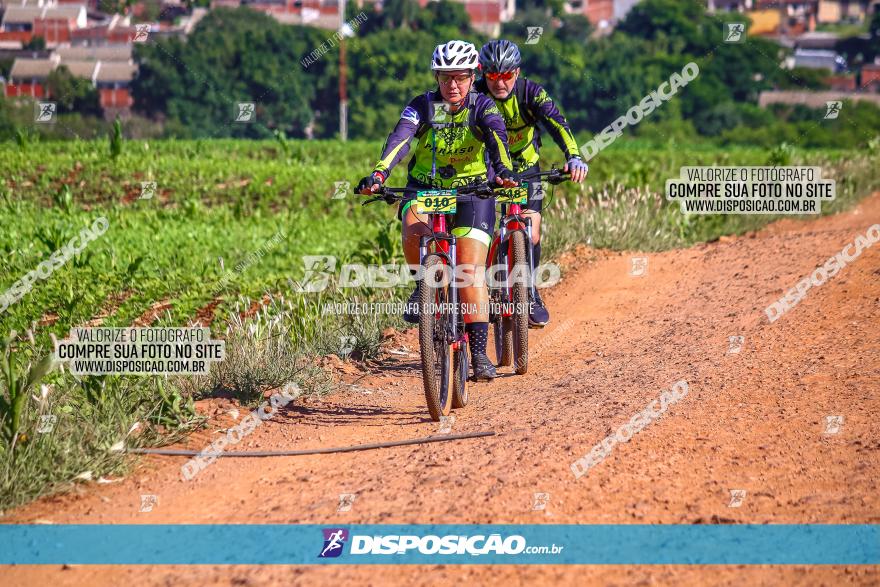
pixel 495 76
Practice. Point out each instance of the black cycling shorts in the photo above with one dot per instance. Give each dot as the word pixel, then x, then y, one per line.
pixel 536 190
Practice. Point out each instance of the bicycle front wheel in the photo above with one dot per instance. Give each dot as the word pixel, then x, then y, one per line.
pixel 438 372
pixel 502 327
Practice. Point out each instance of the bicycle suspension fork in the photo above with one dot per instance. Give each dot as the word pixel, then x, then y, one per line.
pixel 519 221
pixel 445 245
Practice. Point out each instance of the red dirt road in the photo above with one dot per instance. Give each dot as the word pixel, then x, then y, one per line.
pixel 754 420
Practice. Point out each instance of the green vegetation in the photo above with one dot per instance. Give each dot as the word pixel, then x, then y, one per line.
pixel 214 200
pixel 216 203
pixel 36 43
pixel 192 87
pixel 235 56
pixel 232 199
pixel 217 230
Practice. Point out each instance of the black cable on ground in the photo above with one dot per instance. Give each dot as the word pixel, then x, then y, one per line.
pixel 313 451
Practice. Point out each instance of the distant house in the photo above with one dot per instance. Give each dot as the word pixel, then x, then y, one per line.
pixel 18 23
pixel 117 30
pixel 795 16
pixel 487 15
pixel 28 77
pixel 600 13
pixel 819 59
pixel 110 69
pixel 835 11
pixel 817 50
pixel 871 77
pixel 92 45
pixel 813 99
pixel 113 80
pixel 817 40
pixel 317 13
pixel 114 53
pixel 729 5
pixel 54 23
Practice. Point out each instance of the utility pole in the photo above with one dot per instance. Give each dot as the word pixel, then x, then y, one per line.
pixel 343 98
pixel 783 19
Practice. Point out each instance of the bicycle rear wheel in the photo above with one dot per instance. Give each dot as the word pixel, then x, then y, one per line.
pixel 502 327
pixel 438 373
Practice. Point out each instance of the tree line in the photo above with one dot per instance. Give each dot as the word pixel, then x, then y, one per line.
pixel 192 85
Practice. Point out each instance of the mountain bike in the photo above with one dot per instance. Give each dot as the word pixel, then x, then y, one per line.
pixel 511 285
pixel 443 342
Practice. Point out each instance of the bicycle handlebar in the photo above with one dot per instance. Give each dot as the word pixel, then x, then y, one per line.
pixel 485 191
pixel 391 195
pixel 554 176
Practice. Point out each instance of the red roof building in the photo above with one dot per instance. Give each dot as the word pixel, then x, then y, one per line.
pixel 54 23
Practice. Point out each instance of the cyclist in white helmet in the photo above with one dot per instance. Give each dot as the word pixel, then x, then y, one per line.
pixel 460 140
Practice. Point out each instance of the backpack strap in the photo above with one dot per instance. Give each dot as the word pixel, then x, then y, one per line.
pixel 472 116
pixel 424 126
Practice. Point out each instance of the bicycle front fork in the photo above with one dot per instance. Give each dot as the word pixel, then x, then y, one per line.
pixel 454 334
pixel 503 233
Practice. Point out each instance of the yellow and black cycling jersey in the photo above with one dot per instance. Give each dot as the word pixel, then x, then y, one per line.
pixel 522 110
pixel 452 148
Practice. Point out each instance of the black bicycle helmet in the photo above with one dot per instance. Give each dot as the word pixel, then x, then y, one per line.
pixel 499 55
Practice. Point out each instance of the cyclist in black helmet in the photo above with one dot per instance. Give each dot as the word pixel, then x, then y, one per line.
pixel 523 104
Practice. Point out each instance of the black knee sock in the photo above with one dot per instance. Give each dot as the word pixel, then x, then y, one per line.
pixel 536 256
pixel 478 336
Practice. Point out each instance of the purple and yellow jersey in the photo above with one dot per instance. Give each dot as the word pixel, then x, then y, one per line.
pixel 523 108
pixel 451 147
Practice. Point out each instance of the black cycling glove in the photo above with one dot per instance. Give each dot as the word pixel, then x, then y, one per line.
pixel 508 175
pixel 375 178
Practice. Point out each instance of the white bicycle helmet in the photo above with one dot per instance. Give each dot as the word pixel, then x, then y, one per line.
pixel 455 55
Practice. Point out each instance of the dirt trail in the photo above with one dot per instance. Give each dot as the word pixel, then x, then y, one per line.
pixel 755 421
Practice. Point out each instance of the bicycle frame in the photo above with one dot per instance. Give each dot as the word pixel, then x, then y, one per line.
pixel 512 220
pixel 446 248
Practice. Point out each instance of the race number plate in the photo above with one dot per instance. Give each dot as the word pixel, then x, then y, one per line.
pixel 435 202
pixel 517 195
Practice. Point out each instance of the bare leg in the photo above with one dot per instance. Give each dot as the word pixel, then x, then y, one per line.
pixel 472 258
pixel 414 227
pixel 536 225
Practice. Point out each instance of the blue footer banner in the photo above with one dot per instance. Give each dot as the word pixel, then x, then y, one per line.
pixel 796 544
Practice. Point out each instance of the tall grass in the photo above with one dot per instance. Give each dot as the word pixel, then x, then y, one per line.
pixel 618 216
pixel 71 431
